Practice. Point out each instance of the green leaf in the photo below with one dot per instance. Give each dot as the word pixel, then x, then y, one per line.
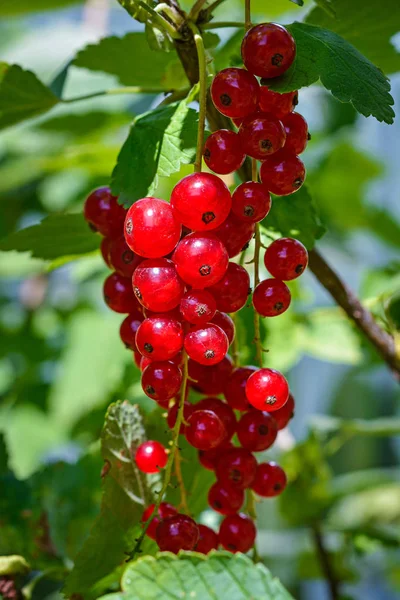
pixel 158 143
pixel 12 8
pixel 191 575
pixel 22 95
pixel 13 565
pixel 3 455
pixel 57 235
pixel 298 2
pixel 342 69
pixel 366 26
pixel 326 5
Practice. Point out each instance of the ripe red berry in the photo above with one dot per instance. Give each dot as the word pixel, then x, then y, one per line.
pixel 173 413
pixel 201 201
pixel 271 298
pixel 118 294
pixel 268 50
pixel 157 285
pixel 257 430
pixel 235 234
pixel 128 329
pixel 296 129
pixel 150 457
pixel 236 467
pixel 235 92
pixel 223 152
pixel 237 533
pixel 267 389
pixel 222 410
pixel 286 259
pixel 283 415
pixel 208 458
pixel 231 292
pixel 161 380
pixel 165 510
pixel 210 380
pixel 282 173
pixel 151 229
pixel 206 344
pixel 205 430
pixel 251 202
pixel 208 540
pixel 225 499
pixel 105 251
pixel 261 135
pixel 226 323
pixel 103 213
pixel 160 337
pixel 201 259
pixel 270 480
pixel 145 361
pixel 235 385
pixel 277 104
pixel 175 533
pixel 122 258
pixel 198 307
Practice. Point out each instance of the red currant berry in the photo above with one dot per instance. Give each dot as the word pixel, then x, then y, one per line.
pixel 173 413
pixel 198 307
pixel 210 380
pixel 286 259
pixel 208 458
pixel 207 344
pixel 175 533
pixel 277 104
pixel 270 480
pixel 157 286
pixel 256 430
pixel 283 415
pixel 271 298
pixel 151 229
pixel 201 259
pixel 237 533
pixel 201 201
pixel 268 50
pixel 223 152
pixel 165 510
pixel 118 294
pixel 235 234
pixel 236 467
pixel 234 389
pixel 225 499
pixel 105 251
pixel 208 540
pixel 103 213
pixel 251 202
pixel 267 389
pixel 159 338
pixel 283 173
pixel 150 457
pixel 222 410
pixel 261 135
pixel 161 380
pixel 122 258
pixel 205 430
pixel 145 361
pixel 128 329
pixel 231 292
pixel 235 92
pixel 226 323
pixel 296 129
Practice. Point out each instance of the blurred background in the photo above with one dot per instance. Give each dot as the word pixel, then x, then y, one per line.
pixel 62 363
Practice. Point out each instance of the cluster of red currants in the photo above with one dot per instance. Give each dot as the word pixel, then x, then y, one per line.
pixel 174 280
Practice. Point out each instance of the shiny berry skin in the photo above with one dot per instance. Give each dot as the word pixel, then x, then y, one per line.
pixel 122 259
pixel 104 214
pixel 237 533
pixel 150 457
pixel 234 389
pixel 277 104
pixel 145 361
pixel 286 259
pixel 210 380
pixel 151 229
pixel 128 329
pixel 159 338
pixel 267 389
pixel 271 298
pixel 105 251
pixel 204 430
pixel 165 510
pixel 283 415
pixel 223 152
pixel 118 294
pixel 226 323
pixel 206 344
pixel 208 458
pixel 225 499
pixel 296 129
pixel 256 430
pixel 161 380
pixel 283 173
pixel 268 50
pixel 208 540
pixel 251 202
pixel 201 201
pixel 270 480
pixel 232 290
pixel 198 307
pixel 157 285
pixel 235 234
pixel 236 467
pixel 173 412
pixel 175 533
pixel 222 410
pixel 261 135
pixel 201 259
pixel 235 92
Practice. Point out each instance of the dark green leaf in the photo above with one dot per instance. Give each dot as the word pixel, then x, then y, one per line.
pixel 298 2
pixel 59 81
pixel 85 123
pixel 211 39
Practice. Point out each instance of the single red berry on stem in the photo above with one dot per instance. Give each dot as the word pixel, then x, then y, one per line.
pixel 235 92
pixel 268 50
pixel 283 415
pixel 104 214
pixel 150 457
pixel 210 380
pixel 175 533
pixel 261 135
pixel 208 540
pixel 286 259
pixel 237 533
pixel 271 298
pixel 257 430
pixel 159 338
pixel 198 307
pixel 201 259
pixel 204 430
pixel 270 480
pixel 222 410
pixel 157 285
pixel 232 290
pixel 283 173
pixel 122 258
pixel 225 499
pixel 118 294
pixel 235 234
pixel 223 152
pixel 236 467
pixel 277 104
pixel 267 389
pixel 251 202
pixel 188 408
pixel 235 386
pixel 296 129
pixel 206 344
pixel 128 329
pixel 164 510
pixel 226 323
pixel 161 380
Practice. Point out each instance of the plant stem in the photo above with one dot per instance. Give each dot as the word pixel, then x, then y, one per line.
pixel 221 24
pixel 181 483
pixel 325 563
pixel 257 335
pixel 247 14
pixel 195 10
pixel 133 89
pixel 201 55
pixel 235 343
pixel 159 20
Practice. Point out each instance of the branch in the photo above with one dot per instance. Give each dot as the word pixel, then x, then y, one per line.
pixel 325 563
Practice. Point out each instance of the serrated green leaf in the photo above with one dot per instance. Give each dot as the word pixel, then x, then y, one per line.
pixel 158 143
pixel 342 69
pixel 13 565
pixel 12 8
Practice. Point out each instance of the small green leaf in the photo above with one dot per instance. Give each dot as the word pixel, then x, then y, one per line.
pixel 13 565
pixel 298 2
pixel 342 69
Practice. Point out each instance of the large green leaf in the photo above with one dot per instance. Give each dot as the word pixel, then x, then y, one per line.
pixel 342 69
pixel 11 8
pixel 191 575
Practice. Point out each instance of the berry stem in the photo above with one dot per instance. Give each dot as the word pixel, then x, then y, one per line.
pixel 325 562
pixel 235 343
pixel 114 91
pixel 201 55
pixel 247 14
pixel 251 509
pixel 195 10
pixel 257 334
pixel 178 474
